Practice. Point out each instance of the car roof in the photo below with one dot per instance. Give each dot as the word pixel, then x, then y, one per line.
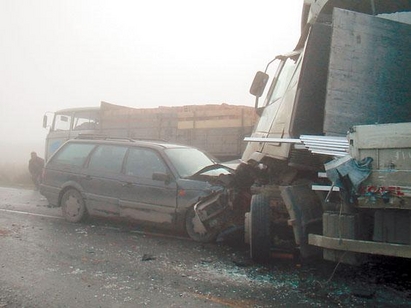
pixel 159 144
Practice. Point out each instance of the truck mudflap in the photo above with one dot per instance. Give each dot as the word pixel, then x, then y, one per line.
pixel 360 246
pixel 305 210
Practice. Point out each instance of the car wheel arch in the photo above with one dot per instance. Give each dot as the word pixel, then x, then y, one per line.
pixel 70 185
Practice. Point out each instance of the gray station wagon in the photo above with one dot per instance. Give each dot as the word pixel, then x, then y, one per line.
pixel 173 185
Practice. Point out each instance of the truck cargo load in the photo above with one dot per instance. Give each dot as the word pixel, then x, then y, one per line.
pixel 217 129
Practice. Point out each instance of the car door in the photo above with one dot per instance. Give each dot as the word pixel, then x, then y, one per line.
pixel 149 192
pixel 100 180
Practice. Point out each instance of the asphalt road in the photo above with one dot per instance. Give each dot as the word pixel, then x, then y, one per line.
pixel 48 262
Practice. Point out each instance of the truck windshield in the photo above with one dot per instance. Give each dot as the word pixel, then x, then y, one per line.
pixel 75 120
pixel 61 122
pixel 86 120
pixel 282 80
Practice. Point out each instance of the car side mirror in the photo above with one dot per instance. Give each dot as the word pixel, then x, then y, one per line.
pixel 162 177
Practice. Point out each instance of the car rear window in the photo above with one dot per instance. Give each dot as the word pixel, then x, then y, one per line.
pixel 72 154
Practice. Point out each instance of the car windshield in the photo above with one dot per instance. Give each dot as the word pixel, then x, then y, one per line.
pixel 188 161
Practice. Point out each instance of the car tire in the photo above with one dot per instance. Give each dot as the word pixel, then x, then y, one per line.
pixel 199 235
pixel 259 229
pixel 73 205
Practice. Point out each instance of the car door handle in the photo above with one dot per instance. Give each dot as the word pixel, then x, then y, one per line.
pixel 87 177
pixel 127 184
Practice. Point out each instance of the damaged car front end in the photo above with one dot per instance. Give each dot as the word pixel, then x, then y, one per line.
pixel 212 210
pixel 223 206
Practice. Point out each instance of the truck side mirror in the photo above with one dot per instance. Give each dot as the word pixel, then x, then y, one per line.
pixel 259 83
pixel 45 121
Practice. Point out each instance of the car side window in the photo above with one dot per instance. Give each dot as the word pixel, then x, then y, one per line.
pixel 144 163
pixel 107 158
pixel 72 154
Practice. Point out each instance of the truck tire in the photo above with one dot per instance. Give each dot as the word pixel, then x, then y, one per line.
pixel 260 224
pixel 198 234
pixel 73 206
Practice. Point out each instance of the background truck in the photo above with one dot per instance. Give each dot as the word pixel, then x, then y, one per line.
pixel 316 185
pixel 217 129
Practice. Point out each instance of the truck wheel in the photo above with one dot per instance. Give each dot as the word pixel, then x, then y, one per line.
pixel 73 206
pixel 196 230
pixel 259 229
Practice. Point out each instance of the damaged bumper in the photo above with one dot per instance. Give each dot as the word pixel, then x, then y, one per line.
pixel 211 212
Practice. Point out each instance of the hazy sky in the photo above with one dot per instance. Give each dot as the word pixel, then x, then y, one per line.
pixel 70 53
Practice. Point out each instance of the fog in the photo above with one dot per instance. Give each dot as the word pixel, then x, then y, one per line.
pixel 59 54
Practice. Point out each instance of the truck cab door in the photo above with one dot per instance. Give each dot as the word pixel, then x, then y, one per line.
pixel 276 115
